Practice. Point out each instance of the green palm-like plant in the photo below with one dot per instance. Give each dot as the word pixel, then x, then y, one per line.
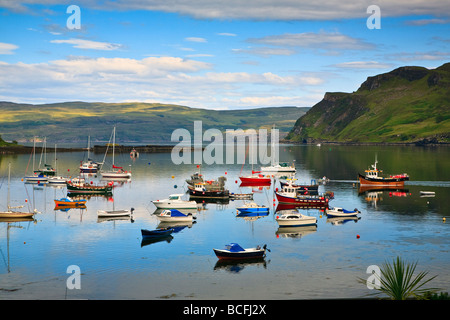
pixel 399 282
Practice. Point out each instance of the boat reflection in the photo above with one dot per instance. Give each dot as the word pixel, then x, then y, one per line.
pixel 295 232
pixel 337 221
pixel 149 241
pixel 236 266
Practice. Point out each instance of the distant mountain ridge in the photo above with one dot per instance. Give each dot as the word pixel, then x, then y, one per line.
pixel 407 105
pixel 136 122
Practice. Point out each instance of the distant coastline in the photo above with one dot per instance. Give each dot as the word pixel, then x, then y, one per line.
pixel 19 149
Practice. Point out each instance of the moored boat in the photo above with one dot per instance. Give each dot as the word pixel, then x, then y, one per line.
pixel 295 219
pixel 371 178
pixel 79 185
pixel 252 207
pixel 175 202
pixel 174 215
pixel 235 251
pixel 67 202
pixel 9 213
pixel 290 195
pixel 209 189
pixel 341 212
pixel 114 213
pixel 156 233
pixel 116 172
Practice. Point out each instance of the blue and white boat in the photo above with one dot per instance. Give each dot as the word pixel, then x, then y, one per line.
pixel 340 212
pixel 235 251
pixel 253 208
pixel 174 215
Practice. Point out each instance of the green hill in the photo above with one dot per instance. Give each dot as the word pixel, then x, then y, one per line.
pixel 135 122
pixel 406 105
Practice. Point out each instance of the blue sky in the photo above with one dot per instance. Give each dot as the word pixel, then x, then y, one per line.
pixel 211 54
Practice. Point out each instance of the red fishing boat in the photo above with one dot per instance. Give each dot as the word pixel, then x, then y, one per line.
pixel 371 178
pixel 256 179
pixel 290 194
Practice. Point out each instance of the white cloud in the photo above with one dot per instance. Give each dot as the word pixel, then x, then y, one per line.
pixel 312 40
pixel 363 65
pixel 227 34
pixel 266 51
pixel 276 10
pixel 195 39
pixel 7 48
pixel 89 44
pixel 161 79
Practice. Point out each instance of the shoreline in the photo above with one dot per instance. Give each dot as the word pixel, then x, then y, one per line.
pixel 413 144
pixel 19 149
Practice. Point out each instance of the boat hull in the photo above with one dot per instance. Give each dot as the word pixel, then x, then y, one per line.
pixel 150 234
pixel 255 181
pixel 300 221
pixel 16 215
pixel 341 214
pixel 175 204
pixel 246 254
pixel 71 188
pixel 390 182
pixel 209 193
pixel 113 213
pixel 302 201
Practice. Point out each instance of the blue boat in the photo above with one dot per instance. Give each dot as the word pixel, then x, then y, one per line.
pixel 235 251
pixel 253 208
pixel 156 233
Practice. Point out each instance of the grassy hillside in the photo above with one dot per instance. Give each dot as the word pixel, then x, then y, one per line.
pixel 408 104
pixel 135 122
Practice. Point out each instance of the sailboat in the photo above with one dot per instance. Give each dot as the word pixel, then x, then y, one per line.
pixel 116 172
pixel 89 166
pixel 36 177
pixel 46 169
pixel 10 213
pixel 57 180
pixel 275 165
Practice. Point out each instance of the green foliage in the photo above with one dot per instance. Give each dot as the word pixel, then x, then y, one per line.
pixel 135 121
pixel 399 281
pixel 405 105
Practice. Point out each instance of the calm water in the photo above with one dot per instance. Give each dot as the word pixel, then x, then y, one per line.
pixel 320 263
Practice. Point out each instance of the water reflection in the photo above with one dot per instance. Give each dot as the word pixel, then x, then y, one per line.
pixel 236 266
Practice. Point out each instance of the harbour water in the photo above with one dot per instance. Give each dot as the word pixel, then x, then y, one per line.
pixel 311 263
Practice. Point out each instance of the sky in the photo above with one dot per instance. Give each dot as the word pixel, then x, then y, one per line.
pixel 212 54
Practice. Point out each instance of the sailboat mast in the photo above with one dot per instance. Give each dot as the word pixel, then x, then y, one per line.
pixel 9 181
pixel 114 144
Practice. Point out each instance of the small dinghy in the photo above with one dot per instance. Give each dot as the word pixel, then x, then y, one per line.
pixel 174 215
pixel 295 219
pixel 235 251
pixel 340 212
pixel 67 202
pixel 114 213
pixel 253 208
pixel 157 233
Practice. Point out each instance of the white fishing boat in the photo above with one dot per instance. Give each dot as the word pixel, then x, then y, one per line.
pixel 114 213
pixel 295 219
pixel 115 172
pixel 9 213
pixel 174 215
pixel 175 202
pixel 340 212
